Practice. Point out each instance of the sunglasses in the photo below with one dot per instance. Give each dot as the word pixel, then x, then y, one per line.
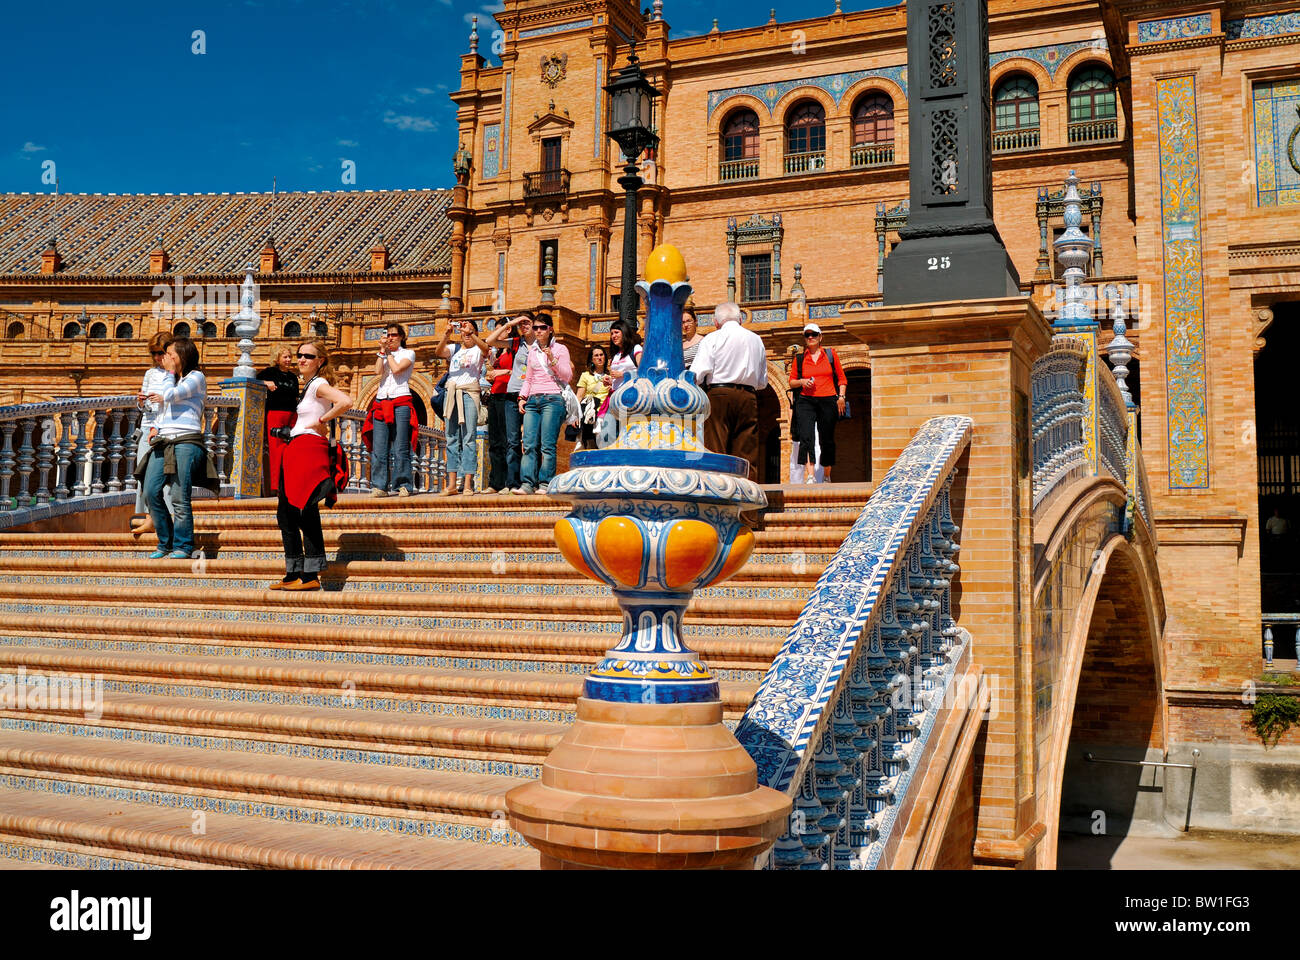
pixel 812 336
pixel 308 356
pixel 536 328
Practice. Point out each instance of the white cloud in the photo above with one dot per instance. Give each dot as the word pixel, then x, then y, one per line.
pixel 347 143
pixel 423 91
pixel 30 147
pixel 404 121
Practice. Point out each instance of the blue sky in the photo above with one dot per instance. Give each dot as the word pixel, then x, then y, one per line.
pixel 113 98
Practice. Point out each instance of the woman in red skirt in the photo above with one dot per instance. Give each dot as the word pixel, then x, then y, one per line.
pixel 306 471
pixel 281 379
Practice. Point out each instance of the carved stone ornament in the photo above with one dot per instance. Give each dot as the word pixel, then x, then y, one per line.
pixel 554 68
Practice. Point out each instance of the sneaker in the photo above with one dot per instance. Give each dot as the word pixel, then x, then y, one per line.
pixel 178 555
pixel 158 554
pixel 541 488
pixel 524 490
pixel 404 492
pixel 376 492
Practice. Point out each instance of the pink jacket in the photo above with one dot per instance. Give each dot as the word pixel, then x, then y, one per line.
pixel 537 379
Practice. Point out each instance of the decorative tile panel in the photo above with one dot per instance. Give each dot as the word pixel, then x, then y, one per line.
pixel 491 150
pixel 1049 57
pixel 505 123
pixel 554 28
pixel 1252 28
pixel 1277 129
pixel 823 311
pixel 1184 296
pixel 1175 28
pixel 833 83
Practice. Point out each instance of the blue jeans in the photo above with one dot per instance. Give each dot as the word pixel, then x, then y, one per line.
pixel 180 536
pixel 392 440
pixel 543 417
pixel 462 439
pixel 141 451
pixel 514 437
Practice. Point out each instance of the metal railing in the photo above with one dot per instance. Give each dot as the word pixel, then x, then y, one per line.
pixel 871 154
pixel 842 719
pixel 1008 141
pixel 546 183
pixel 805 162
pixel 1094 131
pixel 66 451
pixel 428 459
pixel 729 170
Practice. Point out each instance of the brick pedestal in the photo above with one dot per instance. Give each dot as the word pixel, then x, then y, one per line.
pixel 975 359
pixel 648 786
pixel 248 440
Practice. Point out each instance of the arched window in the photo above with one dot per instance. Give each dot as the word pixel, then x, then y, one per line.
pixel 739 146
pixel 207 329
pixel 98 331
pixel 292 329
pixel 873 130
pixel 181 329
pixel 1015 114
pixel 230 329
pixel 322 329
pixel 1092 105
pixel 71 330
pixel 124 331
pixel 805 137
pixel 15 330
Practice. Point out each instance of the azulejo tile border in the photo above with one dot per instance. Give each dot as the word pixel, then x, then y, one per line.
pixel 1184 295
pixel 268 810
pixel 789 708
pixel 25 853
pixel 1175 28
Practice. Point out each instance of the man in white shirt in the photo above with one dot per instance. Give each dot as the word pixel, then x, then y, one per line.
pixel 731 364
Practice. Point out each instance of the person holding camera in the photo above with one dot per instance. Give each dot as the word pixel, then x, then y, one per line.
pixel 307 470
pixel 541 401
pixel 465 363
pixel 177 453
pixel 156 380
pixel 281 381
pixel 392 417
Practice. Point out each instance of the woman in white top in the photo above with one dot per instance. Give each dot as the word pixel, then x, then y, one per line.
pixel 624 350
pixel 307 471
pixel 156 380
pixel 391 416
pixel 460 408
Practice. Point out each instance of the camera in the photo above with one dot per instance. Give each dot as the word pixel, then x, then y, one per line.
pixel 281 433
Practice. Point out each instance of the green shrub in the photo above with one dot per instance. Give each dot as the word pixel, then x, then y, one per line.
pixel 1273 715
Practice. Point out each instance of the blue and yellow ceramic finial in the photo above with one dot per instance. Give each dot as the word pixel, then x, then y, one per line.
pixel 656 516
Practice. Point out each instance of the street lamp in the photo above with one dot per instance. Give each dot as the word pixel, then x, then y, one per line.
pixel 632 99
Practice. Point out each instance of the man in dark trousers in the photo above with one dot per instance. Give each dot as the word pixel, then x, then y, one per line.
pixel 731 364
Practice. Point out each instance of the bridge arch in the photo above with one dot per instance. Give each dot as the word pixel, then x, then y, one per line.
pixel 1111 668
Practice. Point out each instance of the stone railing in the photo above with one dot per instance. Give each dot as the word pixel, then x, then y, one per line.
pixel 428 459
pixel 1111 427
pixel 841 720
pixel 1094 131
pixel 1058 411
pixel 1139 495
pixel 729 170
pixel 70 455
pixel 871 154
pixel 1008 141
pixel 811 162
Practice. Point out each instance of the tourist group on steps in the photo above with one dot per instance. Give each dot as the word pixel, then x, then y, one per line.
pixel 517 378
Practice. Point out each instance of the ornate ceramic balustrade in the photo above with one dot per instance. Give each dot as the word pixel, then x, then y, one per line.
pixel 1058 411
pixel 428 459
pixel 70 455
pixel 842 717
pixel 1112 427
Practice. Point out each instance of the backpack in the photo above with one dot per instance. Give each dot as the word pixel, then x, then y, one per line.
pixel 835 379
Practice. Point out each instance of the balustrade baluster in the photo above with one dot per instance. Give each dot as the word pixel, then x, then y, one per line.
pixel 97 453
pixel 26 459
pixel 81 455
pixel 44 459
pixel 132 419
pixel 63 479
pixel 114 449
pixel 221 443
pixel 7 461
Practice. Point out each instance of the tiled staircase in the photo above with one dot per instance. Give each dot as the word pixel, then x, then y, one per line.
pixel 375 724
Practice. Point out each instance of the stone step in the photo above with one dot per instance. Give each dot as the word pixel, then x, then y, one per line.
pixel 364 608
pixel 42 855
pixel 163 836
pixel 491 740
pixel 539 689
pixel 323 785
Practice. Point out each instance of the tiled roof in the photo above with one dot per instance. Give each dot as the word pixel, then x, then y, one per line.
pixel 315 233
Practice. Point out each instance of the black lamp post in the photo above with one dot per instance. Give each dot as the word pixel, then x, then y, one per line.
pixel 632 99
